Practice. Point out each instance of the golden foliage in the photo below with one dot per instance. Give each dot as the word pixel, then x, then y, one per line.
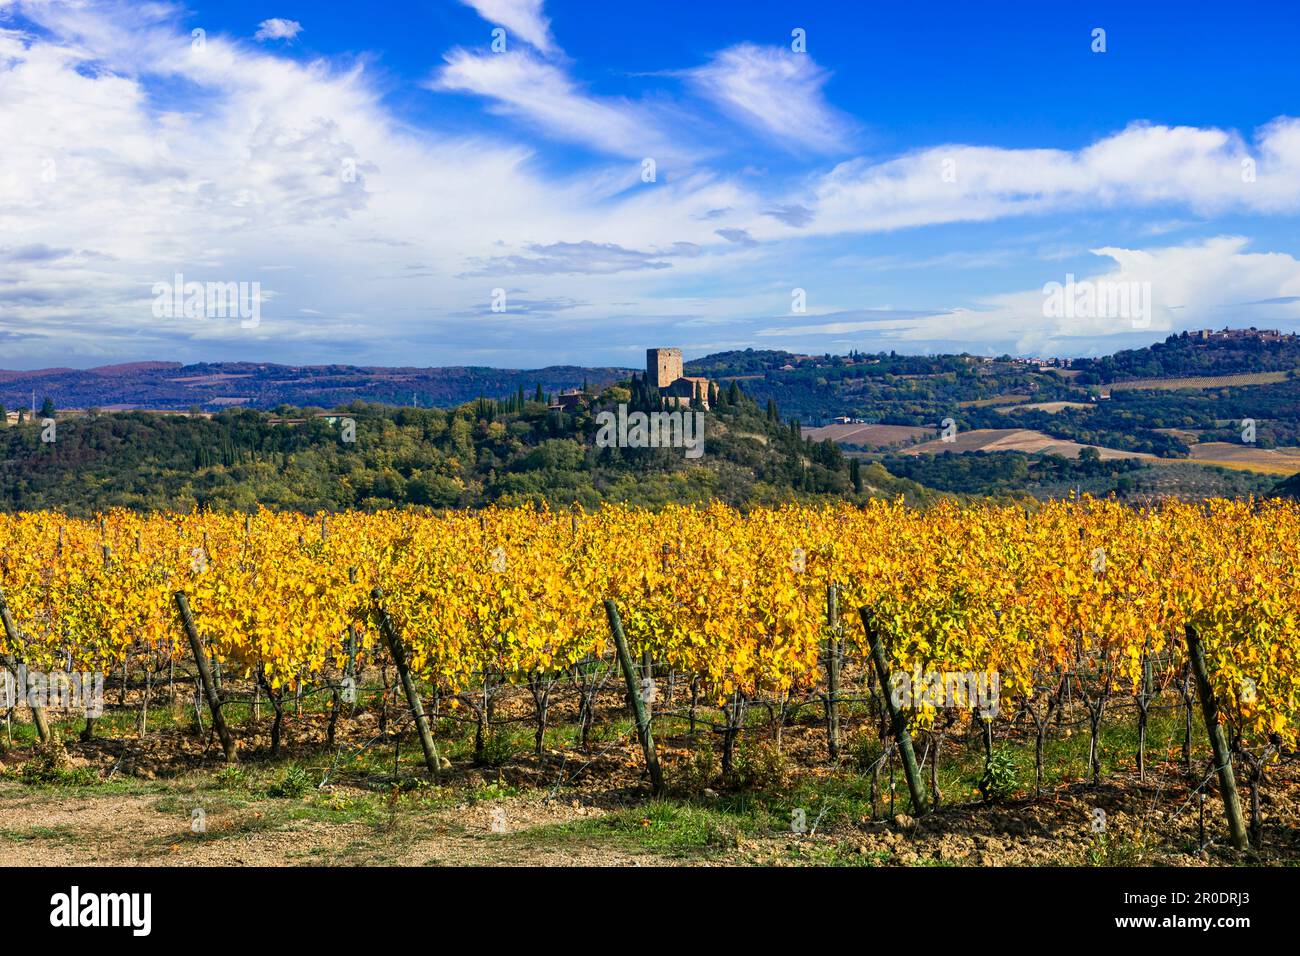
pixel 735 601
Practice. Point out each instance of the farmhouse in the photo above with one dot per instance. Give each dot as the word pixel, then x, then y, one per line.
pixel 569 400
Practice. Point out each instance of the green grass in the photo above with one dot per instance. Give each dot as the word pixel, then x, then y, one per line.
pixel 665 828
pixel 61 835
pixel 492 792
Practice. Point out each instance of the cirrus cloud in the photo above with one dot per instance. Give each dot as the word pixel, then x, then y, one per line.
pixel 524 18
pixel 778 93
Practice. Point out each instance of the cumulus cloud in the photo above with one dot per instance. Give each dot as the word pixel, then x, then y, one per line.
pixel 307 150
pixel 1209 283
pixel 1202 284
pixel 1209 171
pixel 277 28
pixel 108 187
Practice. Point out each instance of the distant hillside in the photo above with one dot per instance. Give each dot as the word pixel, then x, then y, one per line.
pixel 739 363
pixel 1189 354
pixel 882 388
pixel 213 386
pixel 1187 399
pixel 483 452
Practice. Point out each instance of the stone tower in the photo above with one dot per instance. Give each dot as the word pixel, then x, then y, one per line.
pixel 663 367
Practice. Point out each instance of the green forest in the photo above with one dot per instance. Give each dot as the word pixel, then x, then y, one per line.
pixel 484 452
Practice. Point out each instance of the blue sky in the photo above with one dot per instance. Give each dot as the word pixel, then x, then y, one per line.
pixel 913 177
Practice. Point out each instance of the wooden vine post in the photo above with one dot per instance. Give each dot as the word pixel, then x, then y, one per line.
pixel 349 673
pixel 350 668
pixel 634 696
pixel 88 731
pixel 898 720
pixel 394 641
pixel 833 670
pixel 1218 740
pixel 205 676
pixel 13 662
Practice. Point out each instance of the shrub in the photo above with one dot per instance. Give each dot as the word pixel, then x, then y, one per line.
pixel 51 765
pixel 863 750
pixel 1000 778
pixel 295 782
pixel 698 770
pixel 761 766
pixel 499 748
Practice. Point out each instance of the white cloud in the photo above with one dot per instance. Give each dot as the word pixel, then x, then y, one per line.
pixel 277 29
pixel 1210 283
pixel 777 92
pixel 1205 284
pixel 385 236
pixel 523 18
pixel 1209 171
pixel 523 86
pixel 290 163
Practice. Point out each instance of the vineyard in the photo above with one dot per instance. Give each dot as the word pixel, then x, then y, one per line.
pixel 708 628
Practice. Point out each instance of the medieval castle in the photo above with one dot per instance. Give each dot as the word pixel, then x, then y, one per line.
pixel 663 371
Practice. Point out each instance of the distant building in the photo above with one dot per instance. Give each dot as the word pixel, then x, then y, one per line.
pixel 1251 334
pixel 663 371
pixel 687 389
pixel 568 400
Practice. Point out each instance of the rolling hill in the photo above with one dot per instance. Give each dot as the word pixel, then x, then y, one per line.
pixel 212 386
